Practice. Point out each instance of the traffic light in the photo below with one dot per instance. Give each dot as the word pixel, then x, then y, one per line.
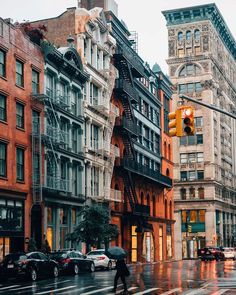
pixel 189 228
pixel 175 123
pixel 188 119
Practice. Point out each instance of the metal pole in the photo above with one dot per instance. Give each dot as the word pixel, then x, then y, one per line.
pixel 210 106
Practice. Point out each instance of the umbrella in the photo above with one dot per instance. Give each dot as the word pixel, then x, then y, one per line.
pixel 116 253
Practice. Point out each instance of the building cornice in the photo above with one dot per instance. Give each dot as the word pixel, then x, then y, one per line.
pixel 201 13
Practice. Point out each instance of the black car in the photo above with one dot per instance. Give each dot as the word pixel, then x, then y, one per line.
pixel 31 265
pixel 72 261
pixel 211 253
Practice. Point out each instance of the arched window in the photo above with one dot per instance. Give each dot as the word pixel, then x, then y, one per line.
pixel 167 172
pixel 148 200
pixel 165 150
pixel 192 193
pixel 170 210
pixel 142 199
pixel 166 209
pixel 154 205
pixel 188 35
pixel 180 36
pixel 201 193
pixel 190 70
pixel 169 152
pixel 197 34
pixel 183 194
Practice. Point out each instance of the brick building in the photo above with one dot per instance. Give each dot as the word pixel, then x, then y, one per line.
pixel 21 71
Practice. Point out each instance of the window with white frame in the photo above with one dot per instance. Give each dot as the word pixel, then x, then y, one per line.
pixel 94 94
pixel 95 181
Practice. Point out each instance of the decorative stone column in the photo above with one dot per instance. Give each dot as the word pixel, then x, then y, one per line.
pixel 210 227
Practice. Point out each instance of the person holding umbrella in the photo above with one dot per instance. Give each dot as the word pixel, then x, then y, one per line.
pixel 122 271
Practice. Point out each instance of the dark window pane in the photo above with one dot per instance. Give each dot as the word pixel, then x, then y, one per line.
pixel 35 82
pixel 19 73
pixel 3 159
pixel 19 115
pixel 2 63
pixel 3 109
pixel 20 164
pixel 199 138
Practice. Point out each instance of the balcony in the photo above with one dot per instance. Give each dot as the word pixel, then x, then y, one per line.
pixel 56 135
pixel 128 125
pixel 100 104
pixel 123 87
pixel 145 171
pixel 141 210
pixel 58 98
pixel 124 52
pixel 113 195
pixel 58 184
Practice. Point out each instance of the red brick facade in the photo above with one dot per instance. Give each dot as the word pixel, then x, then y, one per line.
pixel 17 46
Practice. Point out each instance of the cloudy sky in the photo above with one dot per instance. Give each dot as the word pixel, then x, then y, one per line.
pixel 147 20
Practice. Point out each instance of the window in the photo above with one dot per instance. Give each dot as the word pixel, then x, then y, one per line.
pixel 182 88
pixel 180 36
pixel 200 174
pixel 201 214
pixel 35 122
pixel 183 140
pixel 95 181
pixel 199 157
pixel 35 82
pixel 192 158
pixel 183 175
pixel 19 164
pixel 1 28
pixel 197 50
pixel 19 73
pixel 189 51
pixel 198 87
pixel 199 138
pixel 188 35
pixel 190 87
pixel 180 53
pixel 201 192
pixel 183 194
pixel 192 192
pixel 197 35
pixel 183 158
pixel 145 109
pixel 3 108
pixel 191 140
pixel 2 63
pixel 192 175
pixel 3 159
pixel 184 216
pixel 193 216
pixel 190 70
pixel 198 121
pixel 94 92
pixel 20 115
pixel 157 143
pixel 166 113
pixel 74 98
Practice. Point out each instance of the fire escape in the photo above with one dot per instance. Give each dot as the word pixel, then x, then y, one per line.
pixel 129 67
pixel 51 137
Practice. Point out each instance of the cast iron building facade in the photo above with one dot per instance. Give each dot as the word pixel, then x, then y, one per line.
pixel 202 54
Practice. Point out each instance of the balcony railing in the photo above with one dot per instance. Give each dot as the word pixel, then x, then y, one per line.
pixel 122 85
pixel 132 58
pixel 142 210
pixel 142 170
pixel 101 104
pixel 127 124
pixel 56 134
pixel 59 184
pixel 114 195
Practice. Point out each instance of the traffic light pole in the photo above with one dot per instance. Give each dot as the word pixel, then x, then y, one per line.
pixel 209 106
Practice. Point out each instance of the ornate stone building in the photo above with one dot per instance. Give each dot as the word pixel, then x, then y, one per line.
pixel 202 54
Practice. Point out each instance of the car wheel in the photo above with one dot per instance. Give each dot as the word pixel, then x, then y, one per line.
pixel 109 266
pixel 75 269
pixel 92 267
pixel 33 274
pixel 55 272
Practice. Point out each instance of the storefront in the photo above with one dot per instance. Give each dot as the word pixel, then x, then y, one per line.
pixel 11 226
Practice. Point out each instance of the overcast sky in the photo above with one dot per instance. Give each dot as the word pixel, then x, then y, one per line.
pixel 143 16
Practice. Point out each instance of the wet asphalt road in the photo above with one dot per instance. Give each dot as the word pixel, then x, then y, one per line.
pixel 172 278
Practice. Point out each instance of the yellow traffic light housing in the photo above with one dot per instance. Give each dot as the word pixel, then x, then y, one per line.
pixel 188 120
pixel 189 228
pixel 175 123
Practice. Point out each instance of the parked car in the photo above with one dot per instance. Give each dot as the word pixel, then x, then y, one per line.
pixel 229 253
pixel 31 265
pixel 211 253
pixel 100 259
pixel 72 261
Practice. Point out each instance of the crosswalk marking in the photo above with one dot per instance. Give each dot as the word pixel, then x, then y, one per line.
pixel 54 290
pixel 9 287
pixel 146 291
pixel 76 290
pixel 130 289
pixel 22 288
pixel 98 290
pixel 195 292
pixel 222 291
pixel 171 291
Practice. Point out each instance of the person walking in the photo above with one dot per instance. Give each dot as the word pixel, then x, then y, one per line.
pixel 122 272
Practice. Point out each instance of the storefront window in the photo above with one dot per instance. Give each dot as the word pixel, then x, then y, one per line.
pixel 49 215
pixel 63 216
pixel 11 215
pixel 73 217
pixel 193 216
pixel 50 236
pixel 184 217
pixel 63 233
pixel 201 215
pixel 134 244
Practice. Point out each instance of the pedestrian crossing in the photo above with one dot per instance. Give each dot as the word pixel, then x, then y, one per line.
pixel 217 287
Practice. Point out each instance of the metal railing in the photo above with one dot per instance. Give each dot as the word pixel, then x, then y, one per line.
pixel 140 169
pixel 123 85
pixel 57 183
pixel 127 124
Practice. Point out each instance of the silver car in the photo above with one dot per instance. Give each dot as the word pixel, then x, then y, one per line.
pixel 101 260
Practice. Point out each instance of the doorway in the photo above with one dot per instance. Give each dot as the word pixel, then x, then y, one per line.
pixel 36 225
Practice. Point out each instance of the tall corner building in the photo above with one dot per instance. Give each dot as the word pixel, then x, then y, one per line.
pixel 202 53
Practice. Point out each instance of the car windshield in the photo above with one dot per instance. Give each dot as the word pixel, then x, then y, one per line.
pixel 96 252
pixel 228 250
pixel 58 255
pixel 14 257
